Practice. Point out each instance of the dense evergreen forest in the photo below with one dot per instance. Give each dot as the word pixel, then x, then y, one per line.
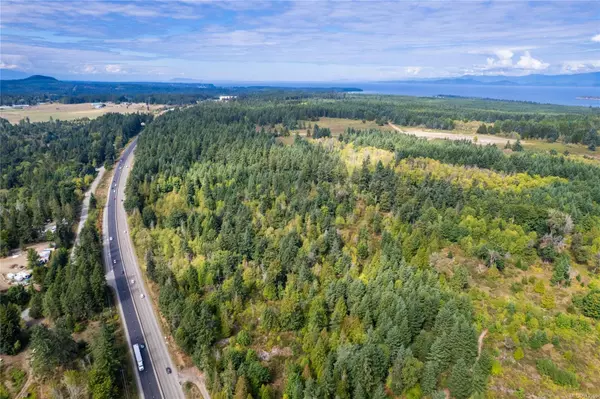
pixel 46 167
pixel 366 265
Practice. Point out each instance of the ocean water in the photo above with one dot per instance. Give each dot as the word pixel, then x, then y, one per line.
pixel 538 94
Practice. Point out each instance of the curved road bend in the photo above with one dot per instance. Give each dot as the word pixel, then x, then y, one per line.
pixel 136 310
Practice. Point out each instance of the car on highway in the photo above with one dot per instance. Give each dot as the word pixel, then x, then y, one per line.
pixel 132 281
pixel 142 296
pixel 114 261
pixel 169 370
pixel 111 238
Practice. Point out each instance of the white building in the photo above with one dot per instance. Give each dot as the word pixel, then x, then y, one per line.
pixel 227 98
pixel 20 277
pixel 45 255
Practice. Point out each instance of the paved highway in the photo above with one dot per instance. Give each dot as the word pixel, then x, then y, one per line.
pixel 125 277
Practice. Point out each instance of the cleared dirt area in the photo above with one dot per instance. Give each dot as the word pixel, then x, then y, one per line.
pixel 478 138
pixel 67 112
pixel 16 262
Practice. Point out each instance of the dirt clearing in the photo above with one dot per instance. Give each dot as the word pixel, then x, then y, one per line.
pixel 478 138
pixel 15 262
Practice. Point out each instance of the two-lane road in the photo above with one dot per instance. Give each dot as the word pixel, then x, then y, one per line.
pixel 125 277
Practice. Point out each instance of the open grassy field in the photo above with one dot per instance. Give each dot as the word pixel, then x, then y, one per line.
pixel 67 112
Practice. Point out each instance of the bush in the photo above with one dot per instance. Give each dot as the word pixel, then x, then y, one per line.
pixel 548 300
pixel 538 339
pixel 243 338
pixel 558 375
pixel 518 355
pixel 590 304
pixel 4 394
pixel 18 377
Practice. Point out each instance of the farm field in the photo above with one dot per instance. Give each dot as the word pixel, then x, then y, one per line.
pixel 67 112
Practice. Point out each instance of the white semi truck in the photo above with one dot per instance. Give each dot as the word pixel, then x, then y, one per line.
pixel 138 357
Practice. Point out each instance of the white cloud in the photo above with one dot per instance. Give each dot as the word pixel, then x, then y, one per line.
pixel 503 58
pixel 4 65
pixel 413 70
pixel 114 68
pixel 596 38
pixel 502 61
pixel 14 61
pixel 528 62
pixel 580 66
pixel 89 69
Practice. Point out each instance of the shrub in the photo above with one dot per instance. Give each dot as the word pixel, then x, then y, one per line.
pixel 518 355
pixel 4 394
pixel 590 304
pixel 556 374
pixel 548 300
pixel 539 287
pixel 538 339
pixel 18 377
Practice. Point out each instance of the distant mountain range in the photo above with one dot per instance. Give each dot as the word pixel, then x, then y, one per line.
pixel 38 88
pixel 591 79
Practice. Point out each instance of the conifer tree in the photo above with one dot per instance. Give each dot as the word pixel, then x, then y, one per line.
pixel 460 381
pixel 430 376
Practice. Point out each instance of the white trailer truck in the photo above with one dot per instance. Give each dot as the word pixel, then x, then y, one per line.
pixel 138 357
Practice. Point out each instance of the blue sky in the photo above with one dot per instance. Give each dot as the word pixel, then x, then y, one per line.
pixel 246 40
